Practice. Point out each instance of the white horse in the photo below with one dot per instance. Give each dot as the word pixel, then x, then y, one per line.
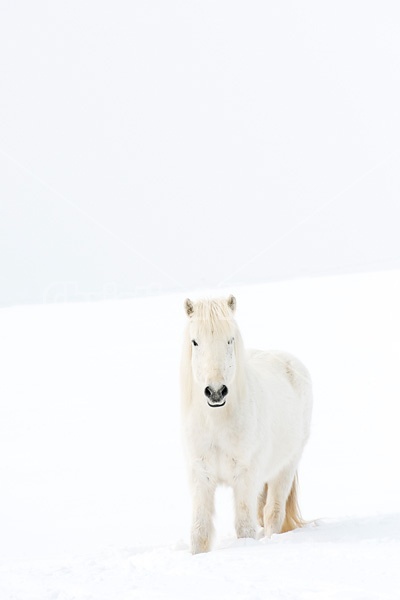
pixel 246 418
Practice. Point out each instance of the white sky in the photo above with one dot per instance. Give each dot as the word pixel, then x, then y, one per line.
pixel 167 145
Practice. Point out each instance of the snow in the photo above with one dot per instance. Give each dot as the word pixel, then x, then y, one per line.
pixel 94 501
pixel 354 559
pixel 281 122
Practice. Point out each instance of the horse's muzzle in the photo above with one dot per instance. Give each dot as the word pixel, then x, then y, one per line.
pixel 216 398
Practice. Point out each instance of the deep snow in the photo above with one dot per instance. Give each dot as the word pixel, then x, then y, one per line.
pixel 352 558
pixel 94 501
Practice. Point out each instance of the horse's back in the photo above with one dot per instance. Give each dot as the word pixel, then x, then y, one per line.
pixel 282 365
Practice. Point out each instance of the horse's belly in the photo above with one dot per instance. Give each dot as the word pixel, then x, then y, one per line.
pixel 276 456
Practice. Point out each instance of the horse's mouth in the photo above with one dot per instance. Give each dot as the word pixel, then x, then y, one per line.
pixel 216 404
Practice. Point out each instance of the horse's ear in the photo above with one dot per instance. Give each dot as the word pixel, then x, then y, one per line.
pixel 189 307
pixel 232 303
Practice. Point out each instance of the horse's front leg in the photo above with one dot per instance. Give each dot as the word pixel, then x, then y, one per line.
pixel 245 495
pixel 203 492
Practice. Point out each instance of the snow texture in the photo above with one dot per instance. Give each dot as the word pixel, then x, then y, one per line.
pixel 94 501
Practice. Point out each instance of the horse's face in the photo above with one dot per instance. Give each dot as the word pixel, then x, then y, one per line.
pixel 213 365
pixel 213 350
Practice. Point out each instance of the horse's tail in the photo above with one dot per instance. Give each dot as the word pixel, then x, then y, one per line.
pixel 293 518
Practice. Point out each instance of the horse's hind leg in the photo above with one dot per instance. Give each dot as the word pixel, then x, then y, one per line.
pixel 262 499
pixel 279 489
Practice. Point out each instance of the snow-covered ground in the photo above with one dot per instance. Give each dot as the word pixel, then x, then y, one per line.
pixel 94 501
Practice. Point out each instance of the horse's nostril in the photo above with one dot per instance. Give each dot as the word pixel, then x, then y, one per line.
pixel 216 396
pixel 208 392
pixel 223 391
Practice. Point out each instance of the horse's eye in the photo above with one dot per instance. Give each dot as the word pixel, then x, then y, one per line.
pixel 231 340
pixel 194 343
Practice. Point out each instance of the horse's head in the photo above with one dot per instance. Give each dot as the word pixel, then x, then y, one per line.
pixel 212 331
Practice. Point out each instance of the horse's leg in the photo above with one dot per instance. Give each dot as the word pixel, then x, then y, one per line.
pixel 203 491
pixel 278 493
pixel 245 495
pixel 262 498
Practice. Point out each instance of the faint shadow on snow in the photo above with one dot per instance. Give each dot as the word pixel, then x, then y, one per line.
pixel 381 528
pixel 376 529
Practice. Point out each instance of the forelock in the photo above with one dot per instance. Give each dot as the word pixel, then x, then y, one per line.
pixel 213 316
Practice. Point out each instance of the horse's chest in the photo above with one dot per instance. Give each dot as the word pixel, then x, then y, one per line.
pixel 220 450
pixel 226 460
pixel 228 468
